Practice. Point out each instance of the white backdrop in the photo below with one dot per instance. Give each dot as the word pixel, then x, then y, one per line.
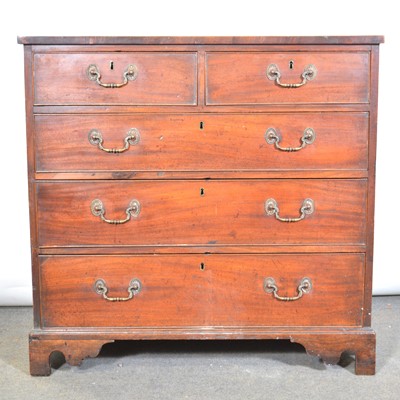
pixel 190 18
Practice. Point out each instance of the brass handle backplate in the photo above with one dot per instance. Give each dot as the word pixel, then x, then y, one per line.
pixel 135 286
pixel 273 137
pixel 304 287
pixel 274 74
pixel 131 138
pixel 98 210
pixel 130 74
pixel 307 208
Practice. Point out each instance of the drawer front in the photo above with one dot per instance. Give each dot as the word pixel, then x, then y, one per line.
pixel 241 78
pixel 226 291
pixel 202 212
pixel 158 78
pixel 201 142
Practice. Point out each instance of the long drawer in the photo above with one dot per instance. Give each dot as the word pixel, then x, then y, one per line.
pixel 249 77
pixel 154 78
pixel 202 142
pixel 214 290
pixel 216 212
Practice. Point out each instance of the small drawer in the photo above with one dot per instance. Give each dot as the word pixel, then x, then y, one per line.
pixel 206 213
pixel 199 290
pixel 146 78
pixel 202 142
pixel 250 78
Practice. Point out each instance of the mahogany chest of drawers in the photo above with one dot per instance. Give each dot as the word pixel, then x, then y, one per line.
pixel 201 188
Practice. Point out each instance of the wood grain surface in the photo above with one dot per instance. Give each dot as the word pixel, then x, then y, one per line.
pixel 229 290
pixel 199 40
pixel 228 212
pixel 240 78
pixel 162 78
pixel 202 142
pixel 202 244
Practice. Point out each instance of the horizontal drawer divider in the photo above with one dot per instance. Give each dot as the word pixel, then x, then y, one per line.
pixel 196 108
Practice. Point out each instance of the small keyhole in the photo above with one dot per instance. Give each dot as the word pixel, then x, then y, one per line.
pixel 111 65
pixel 201 125
pixel 202 266
pixel 201 191
pixel 291 64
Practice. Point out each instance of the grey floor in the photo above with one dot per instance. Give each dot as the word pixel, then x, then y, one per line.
pixel 202 370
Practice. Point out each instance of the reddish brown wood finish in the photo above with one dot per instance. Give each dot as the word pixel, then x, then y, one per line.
pixel 371 185
pixel 31 186
pixel 330 348
pixel 240 78
pixel 162 78
pixel 199 40
pixel 202 175
pixel 327 344
pixel 74 351
pixel 333 48
pixel 201 249
pixel 223 109
pixel 176 291
pixel 202 142
pixel 175 212
pixel 205 80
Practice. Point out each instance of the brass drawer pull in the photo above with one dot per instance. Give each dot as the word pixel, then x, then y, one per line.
pixel 100 287
pixel 98 210
pixel 307 208
pixel 131 138
pixel 273 137
pixel 274 74
pixel 130 74
pixel 270 286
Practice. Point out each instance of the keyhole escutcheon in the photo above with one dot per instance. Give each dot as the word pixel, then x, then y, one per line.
pixel 291 64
